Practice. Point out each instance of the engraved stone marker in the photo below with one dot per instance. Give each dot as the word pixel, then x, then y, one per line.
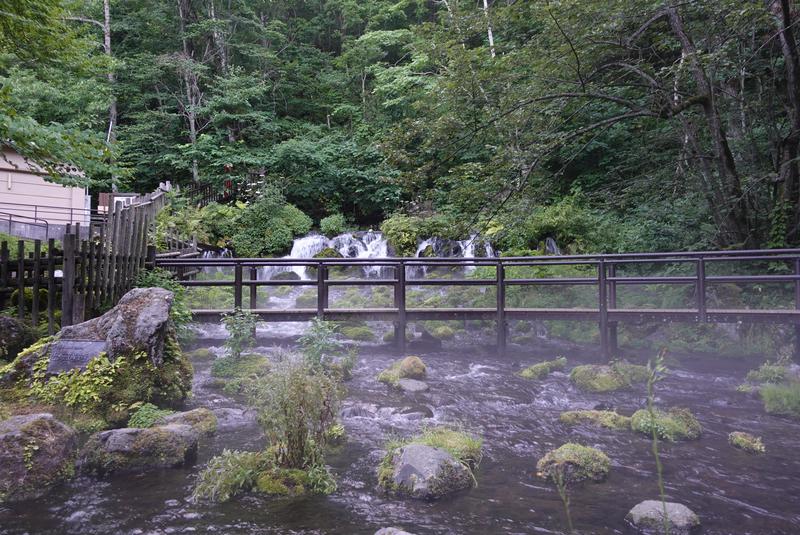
pixel 68 355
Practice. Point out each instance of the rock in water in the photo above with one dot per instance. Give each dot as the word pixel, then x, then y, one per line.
pixel 412 385
pixel 37 452
pixel 428 473
pixel 392 531
pixel 202 420
pixel 134 449
pixel 647 518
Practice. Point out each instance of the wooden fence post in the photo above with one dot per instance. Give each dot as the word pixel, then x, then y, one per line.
pixel 501 308
pixel 613 338
pixel 67 279
pixel 603 303
pixel 701 290
pixel 400 305
pixel 320 291
pixel 51 285
pixel 21 279
pixel 237 281
pixel 4 255
pixel 37 266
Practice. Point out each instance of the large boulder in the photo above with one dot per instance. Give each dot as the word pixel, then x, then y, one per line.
pixel 134 450
pixel 424 472
pixel 37 452
pixel 647 518
pixel 15 336
pixel 129 354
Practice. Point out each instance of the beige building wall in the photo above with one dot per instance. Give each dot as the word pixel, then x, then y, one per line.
pixel 26 194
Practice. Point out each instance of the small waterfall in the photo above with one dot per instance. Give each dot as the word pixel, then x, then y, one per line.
pixel 551 247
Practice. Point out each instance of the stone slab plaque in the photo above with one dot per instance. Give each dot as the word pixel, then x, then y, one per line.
pixel 66 355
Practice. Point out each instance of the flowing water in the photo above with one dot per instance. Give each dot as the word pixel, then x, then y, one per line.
pixel 733 492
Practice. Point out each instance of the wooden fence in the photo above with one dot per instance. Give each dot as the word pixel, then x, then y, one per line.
pixel 81 277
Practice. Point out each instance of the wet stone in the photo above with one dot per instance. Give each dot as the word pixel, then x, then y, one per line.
pixel 412 385
pixel 359 410
pixel 647 518
pixel 392 531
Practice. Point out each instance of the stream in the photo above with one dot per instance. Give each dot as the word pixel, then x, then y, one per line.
pixel 732 491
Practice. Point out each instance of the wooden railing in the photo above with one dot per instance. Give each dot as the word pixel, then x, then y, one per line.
pixel 763 267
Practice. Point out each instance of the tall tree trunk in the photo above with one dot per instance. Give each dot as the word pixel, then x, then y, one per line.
pixel 787 165
pixel 190 87
pixel 736 210
pixel 489 31
pixel 111 134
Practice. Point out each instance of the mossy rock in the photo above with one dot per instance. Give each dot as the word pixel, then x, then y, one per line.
pixel 407 368
pixel 607 419
pixel 201 420
pixel 674 424
pixel 285 276
pixel 15 336
pixel 238 372
pixel 282 482
pixel 389 336
pixel 747 442
pixel 543 369
pixel 307 299
pixel 443 332
pixel 608 378
pixel 329 252
pixel 572 463
pixel 360 333
pixel 37 452
pixel 202 354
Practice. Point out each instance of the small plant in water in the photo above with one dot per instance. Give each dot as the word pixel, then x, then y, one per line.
pixel 241 327
pixel 563 493
pixel 321 349
pixel 656 370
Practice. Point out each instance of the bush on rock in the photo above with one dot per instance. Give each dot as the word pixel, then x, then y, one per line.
pixel 607 378
pixel 543 369
pixel 407 368
pixel 607 419
pixel 747 442
pixel 674 424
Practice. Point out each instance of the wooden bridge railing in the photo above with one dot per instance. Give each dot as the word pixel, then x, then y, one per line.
pixel 771 266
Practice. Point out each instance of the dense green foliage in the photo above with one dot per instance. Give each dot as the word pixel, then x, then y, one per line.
pixel 604 124
pixel 241 327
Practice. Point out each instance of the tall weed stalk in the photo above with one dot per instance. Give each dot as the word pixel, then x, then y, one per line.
pixel 656 370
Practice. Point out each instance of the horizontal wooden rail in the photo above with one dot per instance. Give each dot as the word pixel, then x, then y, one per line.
pixel 601 272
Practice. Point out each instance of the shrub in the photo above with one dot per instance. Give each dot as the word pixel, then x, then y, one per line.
pixel 358 332
pixel 404 232
pixel 332 225
pixel 296 407
pixel 238 373
pixel 672 425
pixel 218 222
pixel 768 373
pixel 783 400
pixel 542 369
pixel 228 474
pixel 268 225
pixel 321 349
pixel 602 378
pixel 241 327
pixel 146 415
pixel 572 463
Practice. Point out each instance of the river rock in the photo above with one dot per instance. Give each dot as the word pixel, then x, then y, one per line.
pixel 37 452
pixel 392 531
pixel 412 385
pixel 134 450
pixel 202 421
pixel 15 336
pixel 359 410
pixel 647 518
pixel 427 473
pixel 234 418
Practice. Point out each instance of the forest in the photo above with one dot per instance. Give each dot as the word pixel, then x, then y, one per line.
pixel 609 125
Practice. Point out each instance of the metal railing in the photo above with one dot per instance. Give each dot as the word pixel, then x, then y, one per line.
pixel 766 266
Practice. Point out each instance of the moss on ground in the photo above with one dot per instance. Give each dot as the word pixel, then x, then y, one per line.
pixel 607 419
pixel 747 442
pixel 674 424
pixel 407 368
pixel 572 463
pixel 543 369
pixel 783 400
pixel 608 378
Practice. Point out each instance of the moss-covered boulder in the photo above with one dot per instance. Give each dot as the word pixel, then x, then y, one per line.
pixel 607 419
pixel 424 472
pixel 15 336
pixel 285 276
pixel 407 368
pixel 360 333
pixel 37 452
pixel 142 362
pixel 674 424
pixel 202 420
pixel 543 369
pixel 442 332
pixel 276 481
pixel 136 449
pixel 747 442
pixel 607 378
pixel 329 252
pixel 572 463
